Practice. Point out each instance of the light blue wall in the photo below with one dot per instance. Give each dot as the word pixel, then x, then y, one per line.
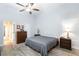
pixel 11 12
pixel 51 18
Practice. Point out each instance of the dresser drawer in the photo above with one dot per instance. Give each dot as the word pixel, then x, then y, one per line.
pixel 65 41
pixel 66 46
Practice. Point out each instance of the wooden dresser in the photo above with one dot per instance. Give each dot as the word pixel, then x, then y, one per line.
pixel 65 43
pixel 21 36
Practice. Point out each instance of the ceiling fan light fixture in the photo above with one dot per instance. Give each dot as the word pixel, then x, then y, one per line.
pixel 29 7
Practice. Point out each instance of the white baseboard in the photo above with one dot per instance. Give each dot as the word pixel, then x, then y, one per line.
pixel 75 47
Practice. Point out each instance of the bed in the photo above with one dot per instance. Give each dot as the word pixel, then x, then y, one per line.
pixel 42 44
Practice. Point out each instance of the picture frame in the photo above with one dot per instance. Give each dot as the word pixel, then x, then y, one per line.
pixel 18 26
pixel 22 28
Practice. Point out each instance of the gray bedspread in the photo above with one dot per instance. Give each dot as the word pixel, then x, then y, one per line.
pixel 41 43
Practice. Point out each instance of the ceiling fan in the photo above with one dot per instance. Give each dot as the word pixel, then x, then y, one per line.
pixel 28 6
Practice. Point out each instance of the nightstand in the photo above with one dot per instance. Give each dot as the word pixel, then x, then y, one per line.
pixel 65 43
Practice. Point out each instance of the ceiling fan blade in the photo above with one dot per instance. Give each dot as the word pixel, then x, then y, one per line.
pixel 22 10
pixel 31 4
pixel 27 5
pixel 30 12
pixel 36 9
pixel 20 4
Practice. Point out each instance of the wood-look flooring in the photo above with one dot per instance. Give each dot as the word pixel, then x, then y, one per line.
pixel 22 50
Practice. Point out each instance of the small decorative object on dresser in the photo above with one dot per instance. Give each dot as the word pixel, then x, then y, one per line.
pixel 65 43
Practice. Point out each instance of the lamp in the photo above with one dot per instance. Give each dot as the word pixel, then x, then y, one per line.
pixel 38 31
pixel 67 29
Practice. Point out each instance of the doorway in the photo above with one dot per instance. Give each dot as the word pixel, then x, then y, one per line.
pixel 8 32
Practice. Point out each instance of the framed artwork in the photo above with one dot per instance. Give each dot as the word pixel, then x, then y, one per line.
pixel 22 27
pixel 18 26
